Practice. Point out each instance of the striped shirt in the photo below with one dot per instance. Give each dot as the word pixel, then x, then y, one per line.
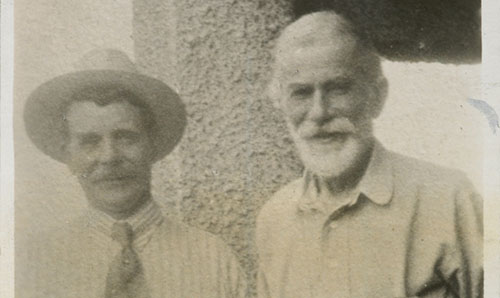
pixel 178 260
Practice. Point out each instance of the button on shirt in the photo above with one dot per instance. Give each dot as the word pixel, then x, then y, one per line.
pixel 177 260
pixel 409 229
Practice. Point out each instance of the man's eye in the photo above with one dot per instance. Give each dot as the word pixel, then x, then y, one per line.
pixel 127 137
pixel 301 92
pixel 89 141
pixel 339 88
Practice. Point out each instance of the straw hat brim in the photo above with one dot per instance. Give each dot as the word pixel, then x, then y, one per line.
pixel 45 108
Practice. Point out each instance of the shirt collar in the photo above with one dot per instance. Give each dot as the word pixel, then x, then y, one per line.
pixel 376 185
pixel 143 221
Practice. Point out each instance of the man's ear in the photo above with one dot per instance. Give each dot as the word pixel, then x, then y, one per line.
pixel 152 151
pixel 381 92
pixel 64 151
pixel 274 92
pixel 70 164
pixel 67 158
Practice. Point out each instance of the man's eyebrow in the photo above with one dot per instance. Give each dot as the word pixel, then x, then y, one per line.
pixel 86 134
pixel 125 131
pixel 342 80
pixel 297 85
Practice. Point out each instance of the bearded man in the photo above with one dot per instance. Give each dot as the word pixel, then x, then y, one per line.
pixel 362 221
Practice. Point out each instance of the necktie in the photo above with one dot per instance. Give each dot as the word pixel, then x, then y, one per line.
pixel 125 277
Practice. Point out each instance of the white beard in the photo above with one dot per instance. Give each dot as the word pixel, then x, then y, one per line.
pixel 329 161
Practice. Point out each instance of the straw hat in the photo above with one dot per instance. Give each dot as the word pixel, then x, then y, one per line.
pixel 44 110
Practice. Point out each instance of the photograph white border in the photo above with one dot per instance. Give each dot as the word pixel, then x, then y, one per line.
pixel 6 151
pixel 491 94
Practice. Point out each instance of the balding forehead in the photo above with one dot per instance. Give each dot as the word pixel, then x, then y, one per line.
pixel 317 29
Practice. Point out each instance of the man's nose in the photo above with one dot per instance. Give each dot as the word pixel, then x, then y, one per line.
pixel 319 110
pixel 108 152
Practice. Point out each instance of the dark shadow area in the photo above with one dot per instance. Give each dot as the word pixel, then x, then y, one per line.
pixel 446 31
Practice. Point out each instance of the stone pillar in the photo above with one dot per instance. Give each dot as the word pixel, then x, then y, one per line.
pixel 235 152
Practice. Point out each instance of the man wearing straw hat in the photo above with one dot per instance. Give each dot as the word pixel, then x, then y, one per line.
pixel 109 124
pixel 362 221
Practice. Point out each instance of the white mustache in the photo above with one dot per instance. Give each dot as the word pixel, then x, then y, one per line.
pixel 309 129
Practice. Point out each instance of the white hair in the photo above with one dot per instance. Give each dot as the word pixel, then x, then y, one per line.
pixel 325 28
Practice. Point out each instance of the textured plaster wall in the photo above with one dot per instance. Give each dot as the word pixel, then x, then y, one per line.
pixel 236 151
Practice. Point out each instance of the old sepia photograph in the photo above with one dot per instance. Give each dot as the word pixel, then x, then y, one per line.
pixel 249 148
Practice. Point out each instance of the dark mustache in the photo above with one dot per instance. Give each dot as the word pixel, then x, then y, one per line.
pixel 107 174
pixel 342 125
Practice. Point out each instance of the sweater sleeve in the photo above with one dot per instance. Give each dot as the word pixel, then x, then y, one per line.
pixel 463 262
